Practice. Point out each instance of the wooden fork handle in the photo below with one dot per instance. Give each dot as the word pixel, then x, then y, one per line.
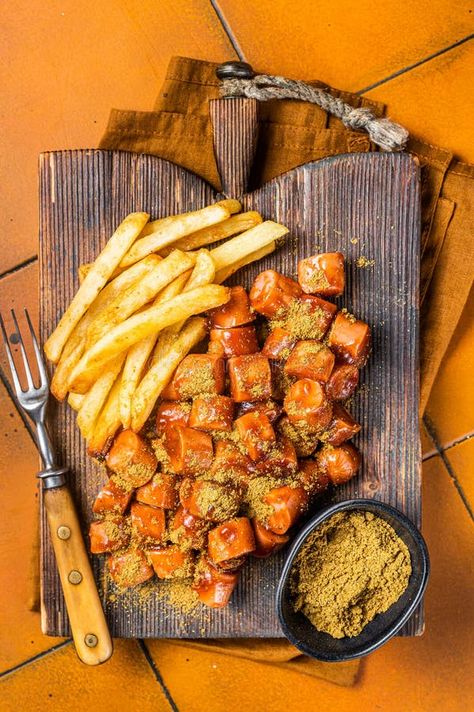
pixel 86 616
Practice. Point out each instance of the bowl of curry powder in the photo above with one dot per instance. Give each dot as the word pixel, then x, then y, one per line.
pixel 351 580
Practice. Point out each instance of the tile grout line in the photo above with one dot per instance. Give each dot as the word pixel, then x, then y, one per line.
pixel 432 433
pixel 19 266
pixel 458 441
pixel 157 674
pixel 39 656
pixel 227 30
pixel 420 62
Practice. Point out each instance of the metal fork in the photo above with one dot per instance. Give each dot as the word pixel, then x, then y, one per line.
pixel 86 617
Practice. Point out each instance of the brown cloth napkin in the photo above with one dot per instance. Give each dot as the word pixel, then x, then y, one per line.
pixel 292 133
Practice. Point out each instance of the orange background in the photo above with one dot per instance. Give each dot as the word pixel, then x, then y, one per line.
pixel 66 63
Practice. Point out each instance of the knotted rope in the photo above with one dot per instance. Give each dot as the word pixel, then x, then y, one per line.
pixel 383 132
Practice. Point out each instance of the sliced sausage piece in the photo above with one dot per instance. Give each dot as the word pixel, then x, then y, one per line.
pixel 195 375
pixel 230 540
pixel 278 344
pixel 161 491
pixel 266 541
pixel 132 459
pixel 228 456
pixel 236 312
pixel 339 463
pixel 349 338
pixel 170 562
pixel 187 530
pixel 250 378
pixel 342 426
pixel 305 442
pixel 171 413
pixel 272 292
pixel 238 341
pixel 256 433
pixel 112 498
pixel 212 412
pixel 313 317
pixel 148 522
pixel 130 568
pixel 108 535
pixel 190 451
pixel 287 503
pixel 342 382
pixel 214 588
pixel 210 500
pixel 313 479
pixel 306 405
pixel 269 408
pixel 322 274
pixel 310 359
pixel 280 460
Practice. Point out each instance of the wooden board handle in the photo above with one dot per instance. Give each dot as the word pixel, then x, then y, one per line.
pixel 89 627
pixel 235 127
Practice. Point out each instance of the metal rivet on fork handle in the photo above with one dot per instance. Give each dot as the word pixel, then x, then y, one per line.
pixel 91 640
pixel 74 577
pixel 63 532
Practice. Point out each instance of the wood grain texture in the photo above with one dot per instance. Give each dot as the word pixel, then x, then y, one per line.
pixel 362 204
pixel 235 130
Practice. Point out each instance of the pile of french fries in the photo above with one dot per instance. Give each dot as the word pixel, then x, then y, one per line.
pixel 134 317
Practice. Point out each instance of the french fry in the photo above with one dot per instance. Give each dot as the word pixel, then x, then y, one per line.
pixel 103 267
pixel 121 337
pixel 250 241
pixel 172 229
pixel 139 294
pixel 75 346
pixel 75 400
pixel 226 272
pixel 95 398
pixel 232 226
pixel 83 271
pixel 106 425
pixel 161 372
pixel 138 354
pixel 230 204
pixel 202 274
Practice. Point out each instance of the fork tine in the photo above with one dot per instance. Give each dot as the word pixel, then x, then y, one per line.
pixel 39 358
pixel 29 377
pixel 16 381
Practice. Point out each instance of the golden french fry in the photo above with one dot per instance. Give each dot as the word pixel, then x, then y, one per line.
pixel 233 226
pixel 139 294
pixel 95 398
pixel 230 204
pixel 226 272
pixel 239 247
pixel 75 400
pixel 160 373
pixel 202 274
pixel 121 337
pixel 103 267
pixel 75 345
pixel 172 229
pixel 106 424
pixel 83 271
pixel 138 354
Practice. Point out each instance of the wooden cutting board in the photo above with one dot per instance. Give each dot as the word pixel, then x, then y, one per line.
pixel 365 205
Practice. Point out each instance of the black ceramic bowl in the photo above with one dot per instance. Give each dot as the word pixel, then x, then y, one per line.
pixel 301 633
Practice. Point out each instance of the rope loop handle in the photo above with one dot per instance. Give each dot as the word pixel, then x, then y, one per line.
pixel 383 132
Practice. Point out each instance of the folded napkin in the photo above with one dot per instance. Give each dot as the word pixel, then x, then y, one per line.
pixel 291 133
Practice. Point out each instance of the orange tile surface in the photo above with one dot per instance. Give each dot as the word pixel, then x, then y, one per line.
pixel 59 681
pixel 427 673
pixel 22 637
pixel 461 459
pixel 432 101
pixel 335 41
pixel 67 63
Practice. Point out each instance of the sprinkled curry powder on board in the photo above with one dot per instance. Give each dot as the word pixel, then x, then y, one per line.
pixel 351 568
